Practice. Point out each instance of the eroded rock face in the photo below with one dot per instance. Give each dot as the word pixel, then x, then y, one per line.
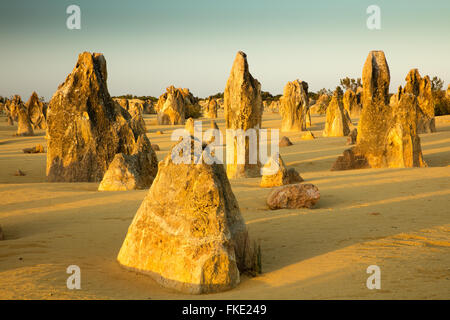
pixel 293 196
pixel 243 110
pixel 1 234
pixel 337 121
pixel 421 89
pixel 189 233
pixel 294 106
pixel 137 121
pixel 351 105
pixel 85 127
pixel 321 105
pixel 387 135
pixel 282 177
pixel 171 107
pixel 35 109
pixel 24 126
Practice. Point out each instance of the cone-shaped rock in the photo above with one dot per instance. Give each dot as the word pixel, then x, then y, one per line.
pixel 85 127
pixel 285 142
pixel 189 233
pixel 137 121
pixel 282 175
pixel 24 127
pixel 171 107
pixel 35 109
pixel 293 106
pixel 337 121
pixel 243 110
pixel 130 172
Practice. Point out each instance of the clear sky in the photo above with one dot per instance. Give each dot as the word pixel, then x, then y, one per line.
pixel 150 45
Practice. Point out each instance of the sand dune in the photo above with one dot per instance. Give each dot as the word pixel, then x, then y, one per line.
pixel 398 219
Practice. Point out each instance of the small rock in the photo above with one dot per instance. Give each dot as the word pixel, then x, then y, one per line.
pixel 293 196
pixel 285 142
pixel 308 136
pixel 36 149
pixel 155 147
pixel 19 173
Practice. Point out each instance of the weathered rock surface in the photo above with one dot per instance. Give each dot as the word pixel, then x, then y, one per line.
pixel 85 127
pixel 24 126
pixel 293 196
pixel 308 136
pixel 387 134
pixel 282 177
pixel 294 106
pixel 242 104
pixel 35 109
pixel 285 142
pixel 274 106
pixel 171 107
pixel 130 172
pixel 337 121
pixel 421 89
pixel 2 237
pixel 137 121
pixel 321 105
pixel 351 104
pixel 189 233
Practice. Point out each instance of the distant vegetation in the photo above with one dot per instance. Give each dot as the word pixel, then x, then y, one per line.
pixel 441 104
pixel 130 96
pixel 218 95
pixel 350 83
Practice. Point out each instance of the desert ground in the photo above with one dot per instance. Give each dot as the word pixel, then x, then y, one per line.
pixel 397 219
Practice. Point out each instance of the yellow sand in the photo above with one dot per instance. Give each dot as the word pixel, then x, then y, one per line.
pixel 398 219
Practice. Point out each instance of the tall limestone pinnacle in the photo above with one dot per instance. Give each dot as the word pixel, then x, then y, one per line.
pixel 387 134
pixel 337 122
pixel 85 127
pixel 293 106
pixel 243 110
pixel 188 233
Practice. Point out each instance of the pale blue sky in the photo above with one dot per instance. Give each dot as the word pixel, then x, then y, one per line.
pixel 150 45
